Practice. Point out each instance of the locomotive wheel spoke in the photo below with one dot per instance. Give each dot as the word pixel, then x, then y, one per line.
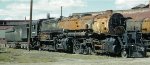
pixel 76 47
pixel 87 50
pixel 91 52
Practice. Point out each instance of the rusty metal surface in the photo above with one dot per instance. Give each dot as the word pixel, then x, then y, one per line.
pixel 108 23
pixel 44 36
pixel 76 23
pixel 69 23
pixel 146 25
pixel 101 24
pixel 101 21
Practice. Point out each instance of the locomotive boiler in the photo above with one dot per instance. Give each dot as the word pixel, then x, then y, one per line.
pixel 106 23
pixel 77 22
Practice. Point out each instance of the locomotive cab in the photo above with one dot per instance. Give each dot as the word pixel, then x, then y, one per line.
pixel 48 30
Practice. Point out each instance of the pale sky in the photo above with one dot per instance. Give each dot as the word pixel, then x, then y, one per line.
pixel 18 9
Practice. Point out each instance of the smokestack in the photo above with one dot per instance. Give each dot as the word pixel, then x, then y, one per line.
pixel 48 15
pixel 25 19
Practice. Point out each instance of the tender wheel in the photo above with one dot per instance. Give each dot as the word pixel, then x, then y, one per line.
pixel 76 47
pixel 124 54
pixel 37 45
pixel 88 51
pixel 91 51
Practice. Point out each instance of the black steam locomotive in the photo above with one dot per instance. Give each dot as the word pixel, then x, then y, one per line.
pixel 82 34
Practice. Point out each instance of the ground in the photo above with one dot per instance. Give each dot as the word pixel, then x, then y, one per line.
pixel 33 57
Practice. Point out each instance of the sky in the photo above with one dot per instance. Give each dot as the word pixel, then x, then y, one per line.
pixel 19 9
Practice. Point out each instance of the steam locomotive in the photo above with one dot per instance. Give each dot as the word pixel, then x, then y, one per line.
pixel 83 34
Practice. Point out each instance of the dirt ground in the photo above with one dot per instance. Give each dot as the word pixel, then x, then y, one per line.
pixel 24 57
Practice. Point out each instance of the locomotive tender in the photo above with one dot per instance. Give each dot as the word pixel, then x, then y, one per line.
pixel 85 34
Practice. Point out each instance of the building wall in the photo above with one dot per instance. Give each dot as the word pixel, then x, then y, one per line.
pixel 2 37
pixel 2 34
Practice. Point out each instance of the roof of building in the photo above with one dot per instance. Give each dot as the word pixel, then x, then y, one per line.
pixel 140 6
pixel 5 27
pixel 14 20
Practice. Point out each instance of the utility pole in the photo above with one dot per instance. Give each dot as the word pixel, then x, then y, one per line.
pixel 48 16
pixel 25 19
pixel 61 16
pixel 30 25
pixel 149 3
